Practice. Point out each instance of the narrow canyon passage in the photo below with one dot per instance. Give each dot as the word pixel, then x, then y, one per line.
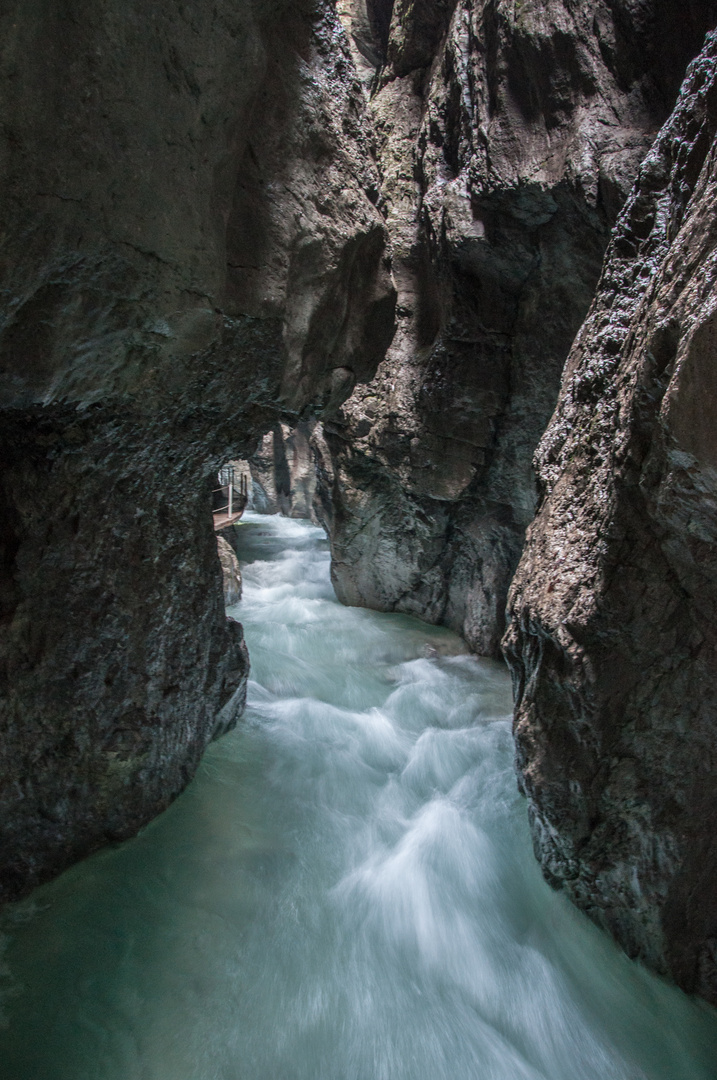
pixel 345 892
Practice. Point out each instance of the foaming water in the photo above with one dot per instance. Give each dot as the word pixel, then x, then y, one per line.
pixel 345 892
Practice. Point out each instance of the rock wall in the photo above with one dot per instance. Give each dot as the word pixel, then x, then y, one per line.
pixel 231 571
pixel 612 637
pixel 283 472
pixel 508 137
pixel 189 251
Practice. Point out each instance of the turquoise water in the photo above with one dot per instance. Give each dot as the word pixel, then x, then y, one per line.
pixel 346 891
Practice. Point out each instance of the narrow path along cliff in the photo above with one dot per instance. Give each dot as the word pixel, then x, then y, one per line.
pixel 345 891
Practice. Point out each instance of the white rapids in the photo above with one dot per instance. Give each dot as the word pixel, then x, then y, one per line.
pixel 346 891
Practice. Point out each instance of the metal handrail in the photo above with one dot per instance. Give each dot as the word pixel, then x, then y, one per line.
pixel 242 489
pixel 242 486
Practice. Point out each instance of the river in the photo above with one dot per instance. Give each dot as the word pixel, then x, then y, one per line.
pixel 346 891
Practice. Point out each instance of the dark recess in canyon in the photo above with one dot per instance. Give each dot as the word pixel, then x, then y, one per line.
pixel 371 230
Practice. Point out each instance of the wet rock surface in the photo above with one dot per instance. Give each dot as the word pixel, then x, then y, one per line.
pixel 283 472
pixel 189 251
pixel 612 611
pixel 231 571
pixel 508 137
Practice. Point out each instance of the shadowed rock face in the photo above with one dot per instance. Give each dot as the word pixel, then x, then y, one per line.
pixel 612 637
pixel 367 24
pixel 283 472
pixel 188 251
pixel 508 137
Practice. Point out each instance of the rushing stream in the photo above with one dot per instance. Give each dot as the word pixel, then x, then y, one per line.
pixel 346 891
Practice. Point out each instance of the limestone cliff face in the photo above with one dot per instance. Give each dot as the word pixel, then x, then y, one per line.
pixel 189 250
pixel 283 472
pixel 612 637
pixel 508 137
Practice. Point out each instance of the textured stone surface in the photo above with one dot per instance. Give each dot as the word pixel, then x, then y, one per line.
pixel 367 25
pixel 613 632
pixel 231 571
pixel 283 472
pixel 508 137
pixel 189 251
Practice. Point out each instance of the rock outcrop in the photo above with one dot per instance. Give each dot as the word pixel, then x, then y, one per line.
pixel 189 251
pixel 612 637
pixel 283 472
pixel 231 572
pixel 508 137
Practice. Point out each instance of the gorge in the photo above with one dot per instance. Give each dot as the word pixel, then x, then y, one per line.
pixel 345 890
pixel 404 235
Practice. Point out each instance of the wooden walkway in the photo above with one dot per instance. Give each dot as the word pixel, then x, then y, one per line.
pixel 237 498
pixel 222 519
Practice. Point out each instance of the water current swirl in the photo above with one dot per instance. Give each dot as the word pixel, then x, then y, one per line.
pixel 345 892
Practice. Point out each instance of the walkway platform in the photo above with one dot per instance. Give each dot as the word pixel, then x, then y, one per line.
pixel 221 519
pixel 232 497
